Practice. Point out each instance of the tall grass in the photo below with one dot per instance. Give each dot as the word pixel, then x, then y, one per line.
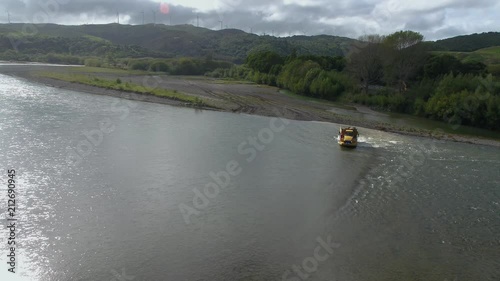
pixel 126 87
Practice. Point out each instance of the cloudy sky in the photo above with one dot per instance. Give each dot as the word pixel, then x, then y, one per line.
pixel 352 18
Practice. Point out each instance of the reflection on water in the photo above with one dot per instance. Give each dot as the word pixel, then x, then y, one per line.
pixel 400 208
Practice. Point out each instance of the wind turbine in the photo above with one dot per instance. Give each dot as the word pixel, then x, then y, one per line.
pixel 118 17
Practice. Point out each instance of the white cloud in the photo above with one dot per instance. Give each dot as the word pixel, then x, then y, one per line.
pixel 433 18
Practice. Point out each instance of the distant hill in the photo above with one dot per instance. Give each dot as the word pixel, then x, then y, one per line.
pixel 190 41
pixel 180 40
pixel 469 43
pixel 489 56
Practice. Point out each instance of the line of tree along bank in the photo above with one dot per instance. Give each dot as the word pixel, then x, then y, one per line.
pixel 395 73
pixel 315 76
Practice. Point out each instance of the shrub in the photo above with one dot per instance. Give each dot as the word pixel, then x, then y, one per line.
pixel 467 100
pixel 139 65
pixel 159 66
pixel 494 69
pixel 187 67
pixel 93 62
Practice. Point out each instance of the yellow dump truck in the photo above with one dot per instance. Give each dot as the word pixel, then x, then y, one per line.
pixel 348 137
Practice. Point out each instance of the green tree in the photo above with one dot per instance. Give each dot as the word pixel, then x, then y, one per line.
pixel 187 66
pixel 159 66
pixel 139 65
pixel 405 55
pixel 441 65
pixel 403 39
pixel 111 59
pixel 93 62
pixel 365 60
pixel 264 61
pixel 293 76
pixel 466 100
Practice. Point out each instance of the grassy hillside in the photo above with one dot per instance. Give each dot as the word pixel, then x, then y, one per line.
pixel 162 41
pixel 470 43
pixel 183 40
pixel 489 56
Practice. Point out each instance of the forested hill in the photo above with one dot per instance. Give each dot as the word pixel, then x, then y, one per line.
pixel 185 41
pixel 470 43
pixel 181 40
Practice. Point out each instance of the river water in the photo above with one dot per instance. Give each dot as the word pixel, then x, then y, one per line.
pixel 111 189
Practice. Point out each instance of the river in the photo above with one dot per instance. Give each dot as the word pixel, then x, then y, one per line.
pixel 111 189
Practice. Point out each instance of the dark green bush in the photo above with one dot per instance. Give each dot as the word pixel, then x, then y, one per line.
pixel 139 65
pixel 92 62
pixel 159 66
